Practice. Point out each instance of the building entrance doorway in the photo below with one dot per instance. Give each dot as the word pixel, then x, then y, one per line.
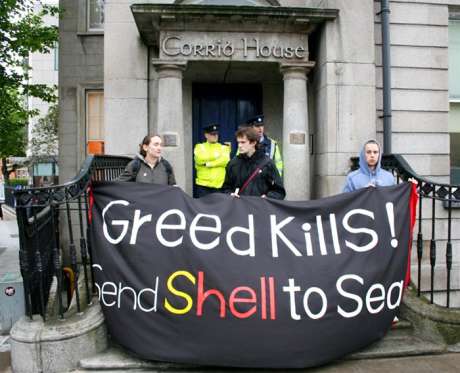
pixel 229 105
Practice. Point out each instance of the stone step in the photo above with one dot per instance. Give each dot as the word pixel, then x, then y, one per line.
pixel 398 346
pixel 119 359
pixel 398 342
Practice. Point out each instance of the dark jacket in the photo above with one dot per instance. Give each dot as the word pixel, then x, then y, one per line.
pixel 267 182
pixel 162 173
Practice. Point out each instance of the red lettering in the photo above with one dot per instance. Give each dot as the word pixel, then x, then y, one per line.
pixel 202 297
pixel 271 285
pixel 234 299
pixel 263 296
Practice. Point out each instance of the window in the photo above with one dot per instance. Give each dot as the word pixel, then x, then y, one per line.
pixel 45 169
pixel 95 122
pixel 454 99
pixel 95 15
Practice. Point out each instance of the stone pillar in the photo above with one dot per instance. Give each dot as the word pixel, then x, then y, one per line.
pixel 296 149
pixel 170 120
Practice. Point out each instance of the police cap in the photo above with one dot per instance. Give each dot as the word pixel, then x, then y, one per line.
pixel 258 120
pixel 211 128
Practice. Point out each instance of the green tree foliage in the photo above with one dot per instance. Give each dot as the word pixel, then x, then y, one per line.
pixel 44 139
pixel 22 31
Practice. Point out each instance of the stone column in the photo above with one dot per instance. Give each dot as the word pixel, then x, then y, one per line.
pixel 170 121
pixel 296 149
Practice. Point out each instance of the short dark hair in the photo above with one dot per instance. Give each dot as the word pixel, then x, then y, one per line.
pixel 372 141
pixel 146 141
pixel 248 132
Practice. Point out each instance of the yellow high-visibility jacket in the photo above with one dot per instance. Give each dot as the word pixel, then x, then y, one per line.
pixel 272 150
pixel 210 162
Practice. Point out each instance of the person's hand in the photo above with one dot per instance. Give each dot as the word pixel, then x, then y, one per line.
pixel 370 185
pixel 413 181
pixel 235 193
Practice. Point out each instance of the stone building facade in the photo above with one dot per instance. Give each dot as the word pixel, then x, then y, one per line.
pixel 312 67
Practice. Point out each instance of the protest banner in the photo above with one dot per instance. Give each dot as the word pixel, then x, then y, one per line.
pixel 249 282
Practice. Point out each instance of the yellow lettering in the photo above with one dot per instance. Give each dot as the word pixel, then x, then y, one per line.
pixel 181 294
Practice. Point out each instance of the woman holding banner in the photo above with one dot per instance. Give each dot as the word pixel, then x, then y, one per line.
pixel 149 166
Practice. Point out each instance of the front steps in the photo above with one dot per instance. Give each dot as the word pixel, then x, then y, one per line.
pixel 400 341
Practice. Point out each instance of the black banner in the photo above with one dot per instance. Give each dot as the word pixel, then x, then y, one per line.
pixel 248 282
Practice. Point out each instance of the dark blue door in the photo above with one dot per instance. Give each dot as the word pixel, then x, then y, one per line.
pixel 229 105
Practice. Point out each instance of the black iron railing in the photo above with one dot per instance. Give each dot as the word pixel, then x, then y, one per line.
pixel 53 238
pixel 438 215
pixel 9 196
pixel 55 253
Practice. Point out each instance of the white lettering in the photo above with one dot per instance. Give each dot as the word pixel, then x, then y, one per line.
pixel 137 223
pixel 276 232
pixel 374 241
pixel 323 301
pixel 395 285
pixel 291 289
pixel 379 298
pixel 162 226
pixel 123 223
pixel 217 228
pixel 348 295
pixel 251 241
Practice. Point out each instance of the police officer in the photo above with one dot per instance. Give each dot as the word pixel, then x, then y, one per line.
pixel 211 157
pixel 269 146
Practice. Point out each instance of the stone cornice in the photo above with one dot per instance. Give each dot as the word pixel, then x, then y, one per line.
pixel 153 18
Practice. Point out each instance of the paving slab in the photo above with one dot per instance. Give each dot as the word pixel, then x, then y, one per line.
pixel 9 244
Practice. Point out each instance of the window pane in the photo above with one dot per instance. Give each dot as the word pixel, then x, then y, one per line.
pixel 95 122
pixel 455 158
pixel 454 59
pixel 454 117
pixel 95 115
pixel 454 129
pixel 95 14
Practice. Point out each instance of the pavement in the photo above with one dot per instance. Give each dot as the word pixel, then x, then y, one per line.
pixel 9 243
pixel 9 268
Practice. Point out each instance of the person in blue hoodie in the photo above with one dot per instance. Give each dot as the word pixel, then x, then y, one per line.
pixel 370 172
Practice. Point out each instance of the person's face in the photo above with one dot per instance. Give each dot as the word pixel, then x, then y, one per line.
pixel 245 146
pixel 372 154
pixel 259 130
pixel 153 149
pixel 212 137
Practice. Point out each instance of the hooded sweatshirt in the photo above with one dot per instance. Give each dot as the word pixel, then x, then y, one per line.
pixel 364 176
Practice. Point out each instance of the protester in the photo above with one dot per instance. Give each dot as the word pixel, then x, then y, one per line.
pixel 211 157
pixel 149 166
pixel 370 172
pixel 268 145
pixel 251 172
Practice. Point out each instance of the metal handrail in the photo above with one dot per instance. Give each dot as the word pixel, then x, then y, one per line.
pixel 54 230
pixel 53 224
pixel 449 196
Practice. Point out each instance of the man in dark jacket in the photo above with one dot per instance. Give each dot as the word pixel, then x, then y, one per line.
pixel 251 172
